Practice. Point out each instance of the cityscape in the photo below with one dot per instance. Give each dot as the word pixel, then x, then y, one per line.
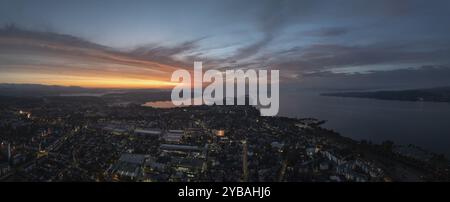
pixel 138 91
pixel 94 139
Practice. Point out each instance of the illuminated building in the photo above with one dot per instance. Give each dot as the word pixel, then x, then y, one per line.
pixel 220 133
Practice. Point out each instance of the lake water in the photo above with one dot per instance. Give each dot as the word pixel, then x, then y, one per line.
pixel 425 124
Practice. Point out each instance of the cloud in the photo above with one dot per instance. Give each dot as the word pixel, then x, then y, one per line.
pixel 273 17
pixel 51 58
pixel 321 57
pixel 164 54
pixel 301 38
pixel 418 77
pixel 48 47
pixel 327 32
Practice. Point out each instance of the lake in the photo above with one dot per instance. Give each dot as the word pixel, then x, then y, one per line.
pixel 426 124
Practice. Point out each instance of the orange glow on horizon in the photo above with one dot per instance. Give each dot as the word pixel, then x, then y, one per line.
pixel 122 83
pixel 62 64
pixel 88 81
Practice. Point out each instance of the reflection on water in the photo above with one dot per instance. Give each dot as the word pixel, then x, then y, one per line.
pixel 160 104
pixel 169 104
pixel 165 104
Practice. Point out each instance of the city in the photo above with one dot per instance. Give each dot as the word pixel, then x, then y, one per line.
pixel 86 138
pixel 229 99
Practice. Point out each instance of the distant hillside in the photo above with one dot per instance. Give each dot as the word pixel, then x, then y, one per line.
pixel 440 94
pixel 37 90
pixel 138 96
pixel 34 93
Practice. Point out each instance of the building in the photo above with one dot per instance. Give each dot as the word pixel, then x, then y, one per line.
pixel 116 130
pixel 173 136
pixel 128 165
pixel 220 133
pixel 182 148
pixel 147 132
pixel 4 168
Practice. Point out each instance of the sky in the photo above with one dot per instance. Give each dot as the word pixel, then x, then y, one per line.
pixel 319 44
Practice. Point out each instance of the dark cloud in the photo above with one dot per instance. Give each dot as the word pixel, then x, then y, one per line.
pixel 272 19
pixel 29 54
pixel 17 39
pixel 421 77
pixel 319 57
pixel 11 30
pixel 327 32
pixel 165 54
